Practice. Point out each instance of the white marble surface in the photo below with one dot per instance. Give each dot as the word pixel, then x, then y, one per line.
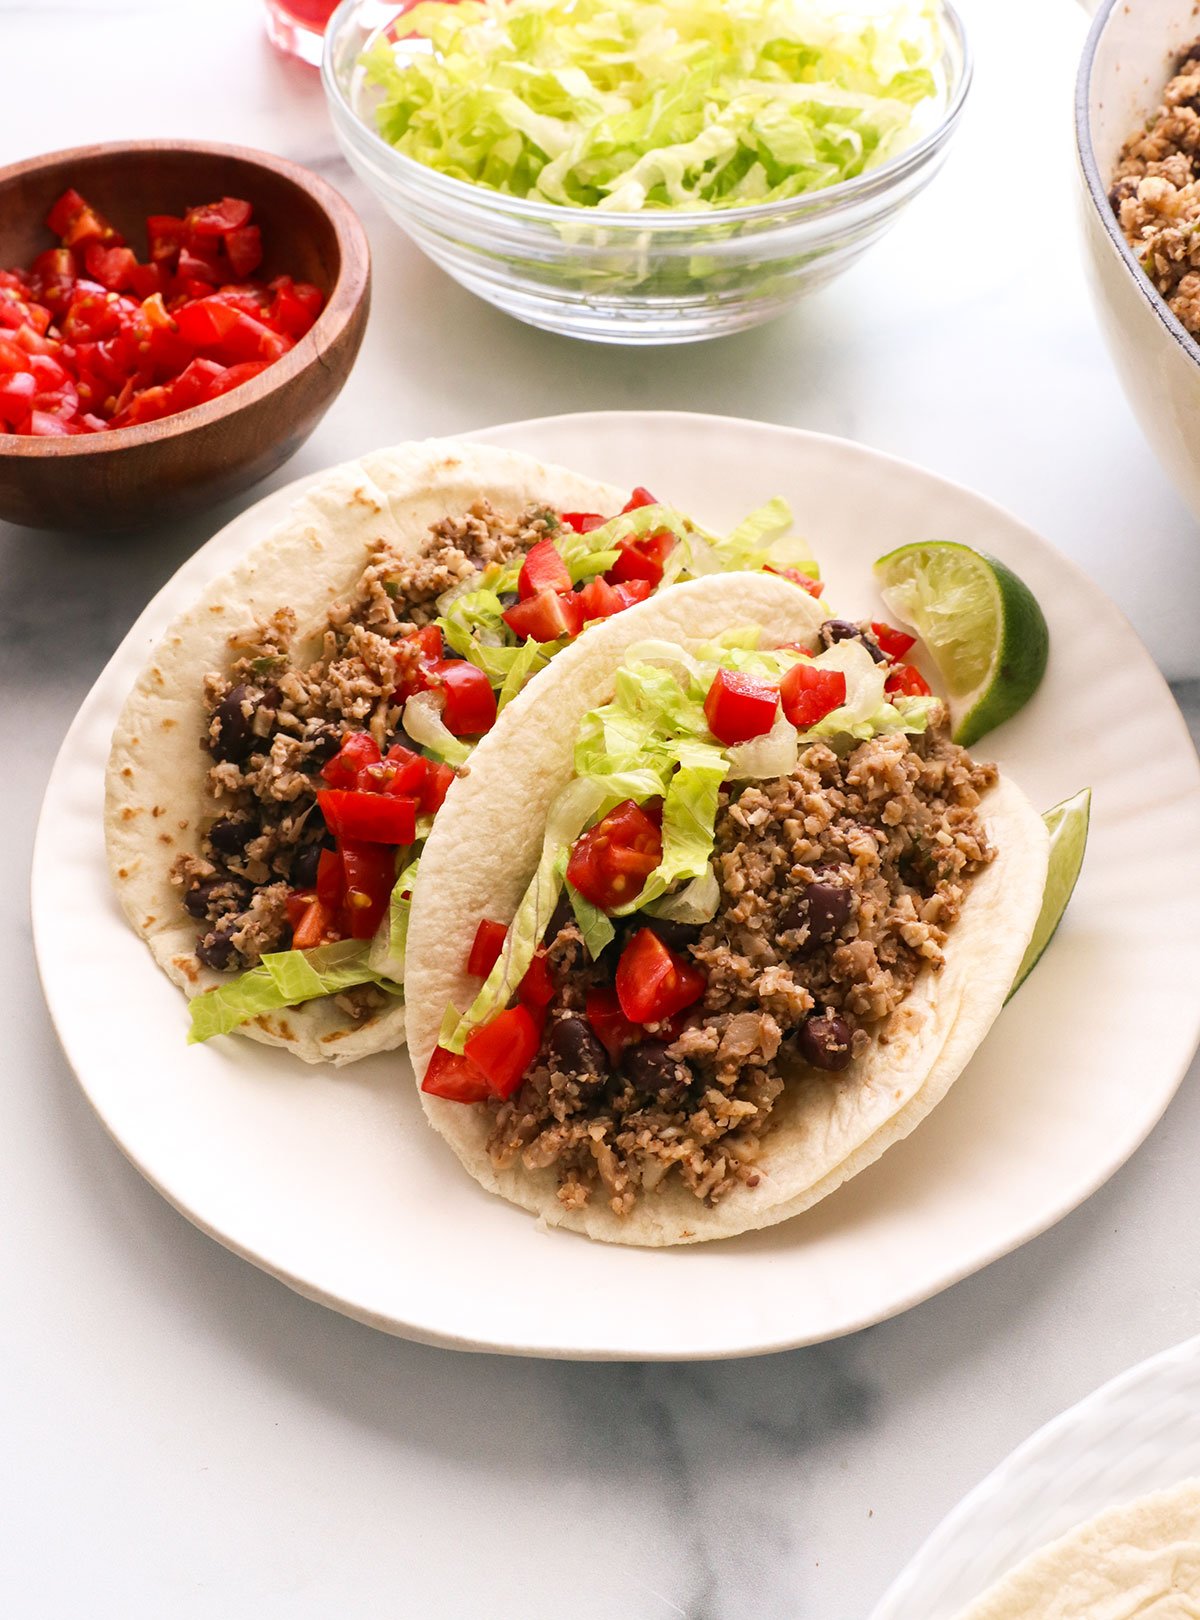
pixel 181 1435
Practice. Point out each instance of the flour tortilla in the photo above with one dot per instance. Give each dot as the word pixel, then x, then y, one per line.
pixel 157 803
pixel 1138 1562
pixel 485 847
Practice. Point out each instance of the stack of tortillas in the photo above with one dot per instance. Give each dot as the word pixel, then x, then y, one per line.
pixel 1137 1562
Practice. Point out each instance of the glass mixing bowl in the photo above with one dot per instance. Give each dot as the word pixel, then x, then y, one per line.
pixel 628 278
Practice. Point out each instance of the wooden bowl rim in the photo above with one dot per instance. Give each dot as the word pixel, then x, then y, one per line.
pixel 347 293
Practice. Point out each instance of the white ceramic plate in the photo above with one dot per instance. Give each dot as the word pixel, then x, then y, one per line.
pixel 332 1181
pixel 1137 1434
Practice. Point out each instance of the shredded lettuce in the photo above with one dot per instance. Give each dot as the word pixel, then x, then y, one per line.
pixel 424 724
pixel 284 979
pixel 593 923
pixel 650 105
pixel 387 948
pixel 696 902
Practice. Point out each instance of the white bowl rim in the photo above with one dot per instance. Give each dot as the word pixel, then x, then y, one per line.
pixel 910 160
pixel 1098 189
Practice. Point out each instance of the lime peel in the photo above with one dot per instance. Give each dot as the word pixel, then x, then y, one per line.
pixel 1067 823
pixel 981 623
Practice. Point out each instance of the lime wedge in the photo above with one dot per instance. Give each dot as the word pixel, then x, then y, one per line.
pixel 982 625
pixel 1067 825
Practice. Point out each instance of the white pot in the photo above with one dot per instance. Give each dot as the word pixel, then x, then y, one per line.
pixel 1126 63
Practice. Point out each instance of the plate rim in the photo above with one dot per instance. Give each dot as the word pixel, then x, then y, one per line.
pixel 426 1332
pixel 1043 1439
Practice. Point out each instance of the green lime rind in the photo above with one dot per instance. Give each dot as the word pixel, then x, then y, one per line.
pixel 1067 823
pixel 981 623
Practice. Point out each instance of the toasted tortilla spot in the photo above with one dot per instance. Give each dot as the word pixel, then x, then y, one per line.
pixel 149 922
pixel 216 607
pixel 187 966
pixel 129 812
pixel 158 810
pixel 122 871
pixel 127 771
pixel 168 721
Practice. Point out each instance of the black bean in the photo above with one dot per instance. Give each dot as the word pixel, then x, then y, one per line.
pixel 324 743
pixel 824 1041
pixel 575 1048
pixel 834 630
pixel 508 599
pixel 304 866
pixel 676 936
pixel 232 894
pixel 230 835
pixel 215 949
pixel 559 918
pixel 825 909
pixel 235 740
pixel 649 1067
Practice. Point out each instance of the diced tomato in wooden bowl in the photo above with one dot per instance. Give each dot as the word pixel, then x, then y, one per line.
pixel 174 321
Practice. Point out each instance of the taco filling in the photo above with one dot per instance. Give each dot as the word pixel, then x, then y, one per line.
pixel 331 753
pixel 760 852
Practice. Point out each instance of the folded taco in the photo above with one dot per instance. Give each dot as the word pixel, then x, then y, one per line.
pixel 286 748
pixel 719 915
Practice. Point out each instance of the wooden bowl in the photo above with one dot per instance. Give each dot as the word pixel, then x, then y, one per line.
pixel 122 478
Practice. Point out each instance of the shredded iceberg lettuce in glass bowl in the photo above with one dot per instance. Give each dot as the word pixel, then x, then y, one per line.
pixel 645 171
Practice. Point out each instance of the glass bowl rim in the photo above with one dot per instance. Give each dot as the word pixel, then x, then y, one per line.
pixel 466 194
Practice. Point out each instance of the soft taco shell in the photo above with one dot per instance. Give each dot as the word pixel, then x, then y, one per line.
pixel 1138 1562
pixel 485 846
pixel 157 804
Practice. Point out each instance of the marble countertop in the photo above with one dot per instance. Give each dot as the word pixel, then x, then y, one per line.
pixel 184 1436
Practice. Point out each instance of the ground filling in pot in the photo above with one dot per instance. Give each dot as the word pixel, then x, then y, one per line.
pixel 839 884
pixel 283 710
pixel 1156 192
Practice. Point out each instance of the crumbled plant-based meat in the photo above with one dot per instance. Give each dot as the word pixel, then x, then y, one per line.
pixel 839 884
pixel 281 711
pixel 1156 192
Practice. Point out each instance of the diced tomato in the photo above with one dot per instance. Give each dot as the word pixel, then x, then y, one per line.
pixel 642 559
pixel 16 396
pixel 740 706
pixel 44 425
pixel 613 1029
pixel 892 642
pixel 486 947
pixel 74 220
pixel 312 921
pixel 814 587
pixel 640 497
pixel 358 751
pixel 295 306
pixel 609 863
pixel 455 1077
pixel 634 590
pixel 112 267
pixel 198 381
pixel 543 570
pixel 244 249
pixel 600 600
pixel 504 1047
pixel 370 874
pixel 165 233
pixel 808 693
pixel 546 616
pixel 416 653
pixel 470 703
pixel 235 376
pixel 206 321
pixel 331 878
pixel 400 771
pixel 437 785
pixel 371 818
pixel 907 681
pixel 537 987
pixel 127 359
pixel 214 219
pixel 582 522
pixel 653 982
